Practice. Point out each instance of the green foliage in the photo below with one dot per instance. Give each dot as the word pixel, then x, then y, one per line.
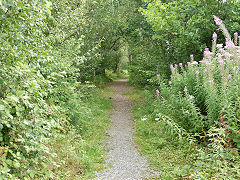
pixel 175 153
pixel 83 149
pixel 177 29
pixel 159 142
pixel 43 53
pixel 210 91
pixel 200 105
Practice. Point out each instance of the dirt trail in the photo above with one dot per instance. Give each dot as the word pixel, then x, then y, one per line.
pixel 123 160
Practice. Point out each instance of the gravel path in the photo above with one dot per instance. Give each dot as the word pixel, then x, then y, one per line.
pixel 123 160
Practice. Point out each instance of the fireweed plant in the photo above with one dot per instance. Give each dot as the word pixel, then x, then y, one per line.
pixel 203 100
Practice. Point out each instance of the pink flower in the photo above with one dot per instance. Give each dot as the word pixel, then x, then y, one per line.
pixel 217 20
pixel 171 66
pixel 204 71
pixel 234 68
pixel 189 63
pixel 185 89
pixel 158 92
pixel 229 77
pixel 207 52
pixel 180 64
pixel 170 82
pixel 197 72
pixel 207 62
pixel 226 54
pixel 238 37
pixel 220 60
pixel 214 36
pixel 229 44
pixel 236 34
pixel 158 75
pixel 191 56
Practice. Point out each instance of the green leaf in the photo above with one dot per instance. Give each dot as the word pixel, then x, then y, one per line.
pixel 16 164
pixel 237 139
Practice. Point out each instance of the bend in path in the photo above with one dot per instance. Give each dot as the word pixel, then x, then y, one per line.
pixel 125 161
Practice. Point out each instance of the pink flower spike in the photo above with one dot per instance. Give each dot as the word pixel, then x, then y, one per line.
pixel 170 82
pixel 171 66
pixel 197 72
pixel 220 60
pixel 158 75
pixel 207 53
pixel 214 36
pixel 185 89
pixel 238 37
pixel 234 68
pixel 229 44
pixel 206 62
pixel 217 20
pixel 189 63
pixel 229 77
pixel 180 64
pixel 236 34
pixel 222 51
pixel 204 71
pixel 158 92
pixel 226 54
pixel 191 56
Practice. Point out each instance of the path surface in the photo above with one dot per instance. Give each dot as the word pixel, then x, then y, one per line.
pixel 123 160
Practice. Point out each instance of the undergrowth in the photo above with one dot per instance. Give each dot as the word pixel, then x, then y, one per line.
pixel 80 152
pixel 194 120
pixel 166 155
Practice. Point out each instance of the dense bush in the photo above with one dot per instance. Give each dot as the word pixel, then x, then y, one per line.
pixel 42 52
pixel 201 102
pixel 200 94
pixel 178 28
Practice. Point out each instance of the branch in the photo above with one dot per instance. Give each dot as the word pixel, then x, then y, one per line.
pixel 115 42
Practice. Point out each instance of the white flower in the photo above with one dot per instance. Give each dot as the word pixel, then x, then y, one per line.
pixel 194 63
pixel 157 119
pixel 144 119
pixel 187 111
pixel 191 97
pixel 219 46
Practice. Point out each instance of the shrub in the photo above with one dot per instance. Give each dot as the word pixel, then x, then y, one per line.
pixel 201 95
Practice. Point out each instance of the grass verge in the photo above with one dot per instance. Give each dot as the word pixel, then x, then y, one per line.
pixel 165 154
pixel 80 152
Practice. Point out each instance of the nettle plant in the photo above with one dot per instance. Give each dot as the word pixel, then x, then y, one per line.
pixel 204 94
